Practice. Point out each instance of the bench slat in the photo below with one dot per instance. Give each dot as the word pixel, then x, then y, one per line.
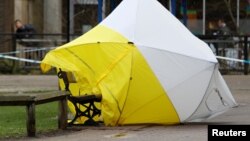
pixel 14 100
pixel 39 98
pixel 49 97
pixel 86 98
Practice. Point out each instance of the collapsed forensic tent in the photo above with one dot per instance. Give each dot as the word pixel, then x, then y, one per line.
pixel 146 65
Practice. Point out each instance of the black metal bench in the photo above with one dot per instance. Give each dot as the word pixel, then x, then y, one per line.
pixel 90 110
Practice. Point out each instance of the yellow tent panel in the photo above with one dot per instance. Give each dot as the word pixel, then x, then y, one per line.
pixel 114 67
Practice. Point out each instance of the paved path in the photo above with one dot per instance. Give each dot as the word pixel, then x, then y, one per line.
pixel 24 83
pixel 239 85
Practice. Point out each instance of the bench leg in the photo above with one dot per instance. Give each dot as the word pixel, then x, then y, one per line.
pixel 63 114
pixel 31 121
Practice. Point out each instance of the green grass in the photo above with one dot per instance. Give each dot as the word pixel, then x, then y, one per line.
pixel 13 119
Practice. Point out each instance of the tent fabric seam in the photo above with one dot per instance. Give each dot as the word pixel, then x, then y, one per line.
pixel 190 77
pixel 203 95
pixel 176 53
pixel 113 64
pixel 76 56
pixel 97 42
pixel 116 101
pixel 152 100
pixel 131 71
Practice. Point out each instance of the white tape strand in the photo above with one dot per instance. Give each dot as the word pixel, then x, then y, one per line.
pixel 20 59
pixel 233 59
pixel 29 50
pixel 38 62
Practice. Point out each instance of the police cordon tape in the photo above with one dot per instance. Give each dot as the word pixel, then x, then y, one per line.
pixel 233 59
pixel 25 51
pixel 3 55
pixel 20 59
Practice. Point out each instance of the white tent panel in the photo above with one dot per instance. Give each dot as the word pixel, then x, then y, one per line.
pixel 147 22
pixel 187 96
pixel 224 90
pixel 217 100
pixel 172 69
pixel 123 19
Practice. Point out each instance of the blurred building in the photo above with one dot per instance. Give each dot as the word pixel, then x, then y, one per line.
pixel 84 13
pixel 50 16
pixel 195 14
pixel 44 15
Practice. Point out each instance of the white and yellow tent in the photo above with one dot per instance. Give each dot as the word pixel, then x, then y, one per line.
pixel 148 67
